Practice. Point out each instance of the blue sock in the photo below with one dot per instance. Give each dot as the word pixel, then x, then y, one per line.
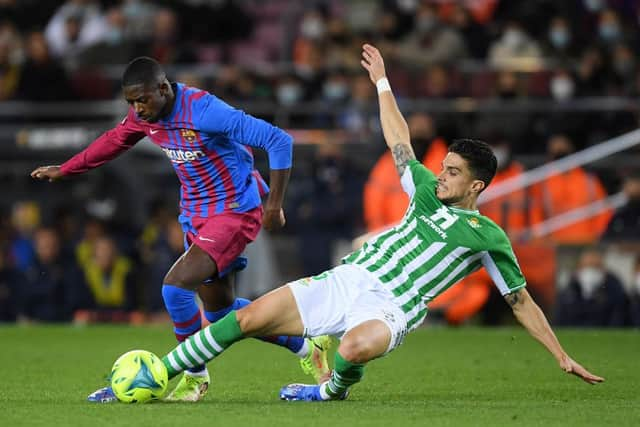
pixel 184 312
pixel 292 343
pixel 214 316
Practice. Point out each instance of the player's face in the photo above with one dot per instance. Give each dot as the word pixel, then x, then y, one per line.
pixel 148 101
pixel 456 181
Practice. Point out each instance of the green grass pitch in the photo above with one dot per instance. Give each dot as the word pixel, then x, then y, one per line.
pixel 438 377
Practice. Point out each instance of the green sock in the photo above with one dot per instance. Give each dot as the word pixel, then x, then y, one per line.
pixel 345 374
pixel 204 346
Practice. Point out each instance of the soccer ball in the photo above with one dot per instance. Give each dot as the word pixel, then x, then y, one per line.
pixel 138 376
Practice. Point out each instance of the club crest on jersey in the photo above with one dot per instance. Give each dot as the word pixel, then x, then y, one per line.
pixel 188 134
pixel 474 222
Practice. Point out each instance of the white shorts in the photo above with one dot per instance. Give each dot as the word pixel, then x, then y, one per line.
pixel 338 300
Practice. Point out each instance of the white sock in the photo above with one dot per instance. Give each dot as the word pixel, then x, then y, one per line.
pixel 304 350
pixel 323 391
pixel 203 373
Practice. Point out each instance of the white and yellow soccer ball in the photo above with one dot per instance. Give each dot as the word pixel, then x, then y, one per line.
pixel 139 376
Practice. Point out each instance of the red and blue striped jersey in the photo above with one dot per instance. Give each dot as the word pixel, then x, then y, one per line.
pixel 206 141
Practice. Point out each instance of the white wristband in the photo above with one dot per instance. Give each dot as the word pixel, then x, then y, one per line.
pixel 383 85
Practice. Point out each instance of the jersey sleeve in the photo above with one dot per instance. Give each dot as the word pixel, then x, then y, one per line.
pixel 502 265
pixel 106 147
pixel 216 116
pixel 416 175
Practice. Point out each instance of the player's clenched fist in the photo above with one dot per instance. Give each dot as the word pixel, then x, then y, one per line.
pixel 47 172
pixel 273 219
pixel 372 62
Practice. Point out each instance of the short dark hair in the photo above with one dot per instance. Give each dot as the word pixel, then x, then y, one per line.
pixel 478 154
pixel 143 70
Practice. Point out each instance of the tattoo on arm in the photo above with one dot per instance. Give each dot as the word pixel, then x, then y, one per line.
pixel 402 153
pixel 514 298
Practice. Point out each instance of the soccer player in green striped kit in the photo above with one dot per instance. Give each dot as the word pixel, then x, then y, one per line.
pixel 380 292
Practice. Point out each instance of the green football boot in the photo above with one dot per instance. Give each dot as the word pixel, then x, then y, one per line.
pixel 315 363
pixel 191 388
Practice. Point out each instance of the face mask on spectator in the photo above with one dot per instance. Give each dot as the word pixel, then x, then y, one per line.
pixel 559 38
pixel 562 88
pixel 426 24
pixel 328 171
pixel 114 36
pixel 513 37
pixel 609 32
pixel 593 5
pixel 335 91
pixel 407 6
pixel 590 279
pixel 133 9
pixel 312 28
pixel 288 94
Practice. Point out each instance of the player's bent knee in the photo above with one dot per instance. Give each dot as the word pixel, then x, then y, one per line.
pixel 358 349
pixel 191 269
pixel 180 280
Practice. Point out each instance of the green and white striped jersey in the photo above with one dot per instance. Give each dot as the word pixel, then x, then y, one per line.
pixel 434 247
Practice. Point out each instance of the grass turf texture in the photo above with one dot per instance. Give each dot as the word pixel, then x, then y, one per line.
pixel 449 377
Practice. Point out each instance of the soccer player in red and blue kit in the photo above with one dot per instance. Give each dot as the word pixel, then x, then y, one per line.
pixel 220 206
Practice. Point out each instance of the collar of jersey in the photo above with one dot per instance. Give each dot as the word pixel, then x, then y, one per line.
pixel 465 211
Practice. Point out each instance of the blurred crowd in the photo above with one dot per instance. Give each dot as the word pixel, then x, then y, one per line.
pixel 284 53
pixel 64 267
pixel 539 48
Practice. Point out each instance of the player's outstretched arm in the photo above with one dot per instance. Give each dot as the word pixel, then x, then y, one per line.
pixel 394 126
pixel 533 319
